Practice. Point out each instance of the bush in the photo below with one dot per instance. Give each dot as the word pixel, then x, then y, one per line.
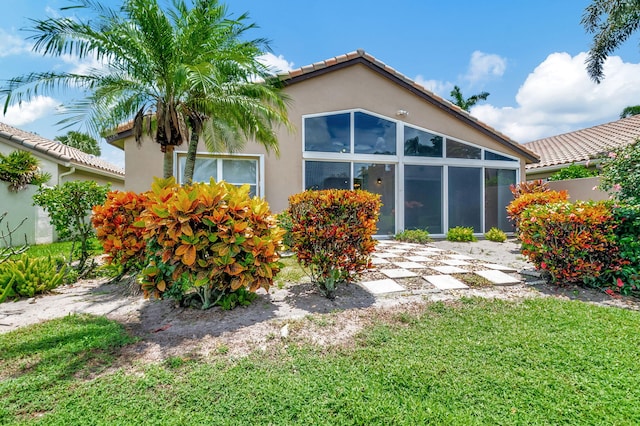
pixel 575 243
pixel 621 174
pixel 69 207
pixel 284 222
pixel 573 171
pixel 532 187
pixel 519 204
pixel 332 232
pixel 495 234
pixel 114 225
pixel 21 168
pixel 627 279
pixel 26 276
pixel 461 233
pixel 420 236
pixel 206 241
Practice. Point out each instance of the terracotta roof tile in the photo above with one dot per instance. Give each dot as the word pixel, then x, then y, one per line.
pixel 57 150
pixel 585 144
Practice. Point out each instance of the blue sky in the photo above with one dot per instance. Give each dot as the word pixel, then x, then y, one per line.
pixel 528 54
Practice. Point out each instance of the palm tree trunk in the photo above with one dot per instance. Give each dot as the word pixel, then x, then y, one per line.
pixel 167 169
pixel 191 157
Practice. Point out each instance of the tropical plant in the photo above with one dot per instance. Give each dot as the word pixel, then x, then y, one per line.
pixel 630 111
pixel 69 207
pixel 82 141
pixel 162 70
pixel 461 233
pixel 21 168
pixel 611 23
pixel 466 104
pixel 537 185
pixel 620 174
pixel 496 235
pixel 573 171
pixel 27 276
pixel 419 236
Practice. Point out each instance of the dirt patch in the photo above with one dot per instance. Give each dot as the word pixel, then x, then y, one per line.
pixel 295 313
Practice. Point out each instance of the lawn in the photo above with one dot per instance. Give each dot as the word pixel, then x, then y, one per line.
pixel 540 361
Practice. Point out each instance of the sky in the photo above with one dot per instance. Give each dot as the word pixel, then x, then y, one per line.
pixel 528 54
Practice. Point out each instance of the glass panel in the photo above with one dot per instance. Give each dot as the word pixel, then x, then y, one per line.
pixel 465 203
pixel 203 170
pixel 457 149
pixel 330 133
pixel 374 135
pixel 239 172
pixel 423 198
pixel 497 196
pixel 488 155
pixel 379 179
pixel 421 144
pixel 327 175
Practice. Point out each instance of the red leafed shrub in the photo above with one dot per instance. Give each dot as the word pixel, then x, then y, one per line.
pixel 332 234
pixel 207 242
pixel 574 242
pixel 525 200
pixel 113 221
pixel 529 187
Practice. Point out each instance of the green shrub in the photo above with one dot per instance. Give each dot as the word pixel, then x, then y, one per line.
pixel 461 233
pixel 26 276
pixel 333 234
pixel 21 168
pixel 420 236
pixel 207 240
pixel 627 279
pixel 573 171
pixel 621 174
pixel 284 221
pixel 574 242
pixel 495 234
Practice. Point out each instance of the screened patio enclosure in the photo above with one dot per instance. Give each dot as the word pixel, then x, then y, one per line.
pixel 426 180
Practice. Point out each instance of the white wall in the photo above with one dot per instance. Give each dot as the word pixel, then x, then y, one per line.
pixel 19 206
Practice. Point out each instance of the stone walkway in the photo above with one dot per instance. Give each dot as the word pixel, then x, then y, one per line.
pixel 401 267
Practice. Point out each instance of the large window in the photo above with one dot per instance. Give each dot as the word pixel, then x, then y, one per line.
pixel 373 135
pixel 234 170
pixel 465 197
pixel 418 143
pixel 423 198
pixel 497 196
pixel 329 133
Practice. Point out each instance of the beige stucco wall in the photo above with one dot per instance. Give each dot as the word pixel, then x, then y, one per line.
pixel 580 189
pixel 348 88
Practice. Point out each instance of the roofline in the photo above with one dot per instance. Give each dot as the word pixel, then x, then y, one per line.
pixel 58 158
pixel 560 166
pixel 362 58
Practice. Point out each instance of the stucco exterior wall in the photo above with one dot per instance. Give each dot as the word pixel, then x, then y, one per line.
pixel 19 206
pixel 580 189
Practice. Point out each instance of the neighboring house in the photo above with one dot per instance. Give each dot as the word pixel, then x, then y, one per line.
pixel 359 123
pixel 64 163
pixel 586 147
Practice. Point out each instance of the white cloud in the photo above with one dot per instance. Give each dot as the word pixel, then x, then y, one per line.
pixel 28 112
pixel 12 45
pixel 485 65
pixel 112 154
pixel 276 64
pixel 558 97
pixel 441 88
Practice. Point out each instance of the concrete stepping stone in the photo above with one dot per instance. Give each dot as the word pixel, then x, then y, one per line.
pixel 498 277
pixel 379 261
pixel 454 262
pixel 419 258
pixel 445 282
pixel 398 273
pixel 409 265
pixel 498 267
pixel 459 257
pixel 382 286
pixel 384 255
pixel 446 269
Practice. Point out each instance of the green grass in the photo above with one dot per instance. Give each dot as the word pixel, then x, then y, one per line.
pixel 542 361
pixel 62 248
pixel 291 272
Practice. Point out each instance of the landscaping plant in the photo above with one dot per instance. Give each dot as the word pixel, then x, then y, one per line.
pixel 26 276
pixel 420 236
pixel 284 222
pixel 530 187
pixel 21 168
pixel 527 199
pixel 461 233
pixel 627 279
pixel 573 171
pixel 621 175
pixel 333 234
pixel 206 241
pixel 114 224
pixel 69 207
pixel 496 235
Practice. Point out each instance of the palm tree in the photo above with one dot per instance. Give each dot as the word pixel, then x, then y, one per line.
pixel 611 22
pixel 630 111
pixel 167 70
pixel 82 141
pixel 466 104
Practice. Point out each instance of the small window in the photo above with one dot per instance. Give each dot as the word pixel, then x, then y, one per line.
pixel 457 149
pixel 329 133
pixel 374 135
pixel 421 144
pixel 327 175
pixel 488 155
pixel 234 170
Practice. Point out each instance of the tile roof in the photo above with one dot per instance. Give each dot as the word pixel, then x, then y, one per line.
pixel 309 71
pixel 56 150
pixel 582 145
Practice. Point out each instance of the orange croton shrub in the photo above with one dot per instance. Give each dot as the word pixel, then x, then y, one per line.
pixel 332 234
pixel 527 199
pixel 205 241
pixel 113 221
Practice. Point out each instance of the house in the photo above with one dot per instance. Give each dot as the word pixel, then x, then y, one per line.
pixel 359 123
pixel 585 147
pixel 64 163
